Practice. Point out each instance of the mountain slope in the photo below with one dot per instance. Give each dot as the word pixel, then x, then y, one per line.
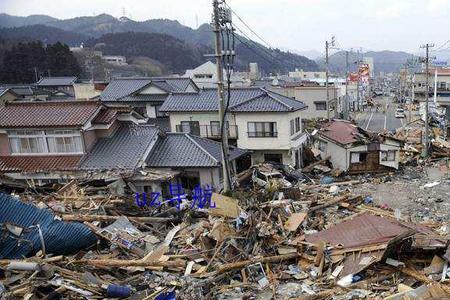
pixel 384 61
pixel 15 21
pixel 46 34
pixel 175 54
pixel 96 26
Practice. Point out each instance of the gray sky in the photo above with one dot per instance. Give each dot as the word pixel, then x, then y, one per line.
pixel 287 24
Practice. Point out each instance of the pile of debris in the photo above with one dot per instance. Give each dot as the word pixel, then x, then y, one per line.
pixel 307 240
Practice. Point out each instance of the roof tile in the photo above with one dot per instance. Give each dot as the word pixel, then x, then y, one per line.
pixel 38 163
pixel 47 114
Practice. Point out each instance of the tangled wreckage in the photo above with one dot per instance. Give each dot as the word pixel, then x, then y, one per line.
pixel 311 239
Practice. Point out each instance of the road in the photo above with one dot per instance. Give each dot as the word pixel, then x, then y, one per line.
pixel 374 121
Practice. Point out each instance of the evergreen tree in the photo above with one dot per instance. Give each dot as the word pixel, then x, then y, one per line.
pixel 23 59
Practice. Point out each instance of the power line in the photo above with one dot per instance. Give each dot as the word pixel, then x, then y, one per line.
pixel 246 25
pixel 441 46
pixel 255 52
pixel 262 48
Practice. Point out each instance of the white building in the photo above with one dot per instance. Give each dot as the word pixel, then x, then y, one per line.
pixel 267 123
pixel 369 61
pixel 307 74
pixel 117 60
pixel 313 95
pixel 205 76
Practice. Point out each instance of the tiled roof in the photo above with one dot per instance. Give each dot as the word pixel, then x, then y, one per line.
pixel 47 114
pixel 162 123
pixel 38 163
pixel 123 150
pixel 145 98
pixel 108 115
pixel 241 100
pixel 186 150
pixel 121 87
pixel 56 81
pixel 124 89
pixel 20 89
pixel 3 91
pixel 341 131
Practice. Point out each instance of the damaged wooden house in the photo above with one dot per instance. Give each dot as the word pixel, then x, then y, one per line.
pixel 48 142
pixel 354 150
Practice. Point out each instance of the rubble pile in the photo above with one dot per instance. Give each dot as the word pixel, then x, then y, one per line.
pixel 313 239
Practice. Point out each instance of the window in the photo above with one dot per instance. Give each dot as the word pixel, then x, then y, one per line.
pixel 186 126
pixel 215 128
pixel 160 113
pixel 321 105
pixel 192 127
pixel 262 129
pixel 358 157
pixel 273 157
pixel 387 155
pixel 295 125
pixel 50 141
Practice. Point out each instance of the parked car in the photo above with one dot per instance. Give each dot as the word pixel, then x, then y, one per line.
pixel 400 113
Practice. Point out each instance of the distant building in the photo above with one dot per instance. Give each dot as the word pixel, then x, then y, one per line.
pixel 254 73
pixel 117 60
pixel 307 75
pixel 55 84
pixel 89 90
pixel 310 93
pixel 205 76
pixel 369 61
pixel 442 88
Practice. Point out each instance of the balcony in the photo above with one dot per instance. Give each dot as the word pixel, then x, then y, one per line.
pixel 208 131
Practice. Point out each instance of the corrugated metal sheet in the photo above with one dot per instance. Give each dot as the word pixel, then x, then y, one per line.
pixel 59 237
pixel 363 230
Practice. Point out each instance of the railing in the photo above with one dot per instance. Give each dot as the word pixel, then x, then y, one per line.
pixel 209 131
pixel 263 134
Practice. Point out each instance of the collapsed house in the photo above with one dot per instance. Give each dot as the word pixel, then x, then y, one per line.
pixel 354 150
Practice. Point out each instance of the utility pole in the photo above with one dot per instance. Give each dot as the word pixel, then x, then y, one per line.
pixel 357 82
pixel 220 93
pixel 326 80
pixel 327 73
pixel 346 113
pixel 427 84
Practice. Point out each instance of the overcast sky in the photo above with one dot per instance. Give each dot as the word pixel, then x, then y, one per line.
pixel 287 24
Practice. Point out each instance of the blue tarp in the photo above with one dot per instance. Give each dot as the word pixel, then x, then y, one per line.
pixel 59 237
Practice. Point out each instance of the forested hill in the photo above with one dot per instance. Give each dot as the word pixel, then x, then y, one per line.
pixel 198 40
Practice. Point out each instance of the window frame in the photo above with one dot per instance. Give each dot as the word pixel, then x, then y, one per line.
pixel 320 103
pixel 272 132
pixel 384 155
pixel 45 137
